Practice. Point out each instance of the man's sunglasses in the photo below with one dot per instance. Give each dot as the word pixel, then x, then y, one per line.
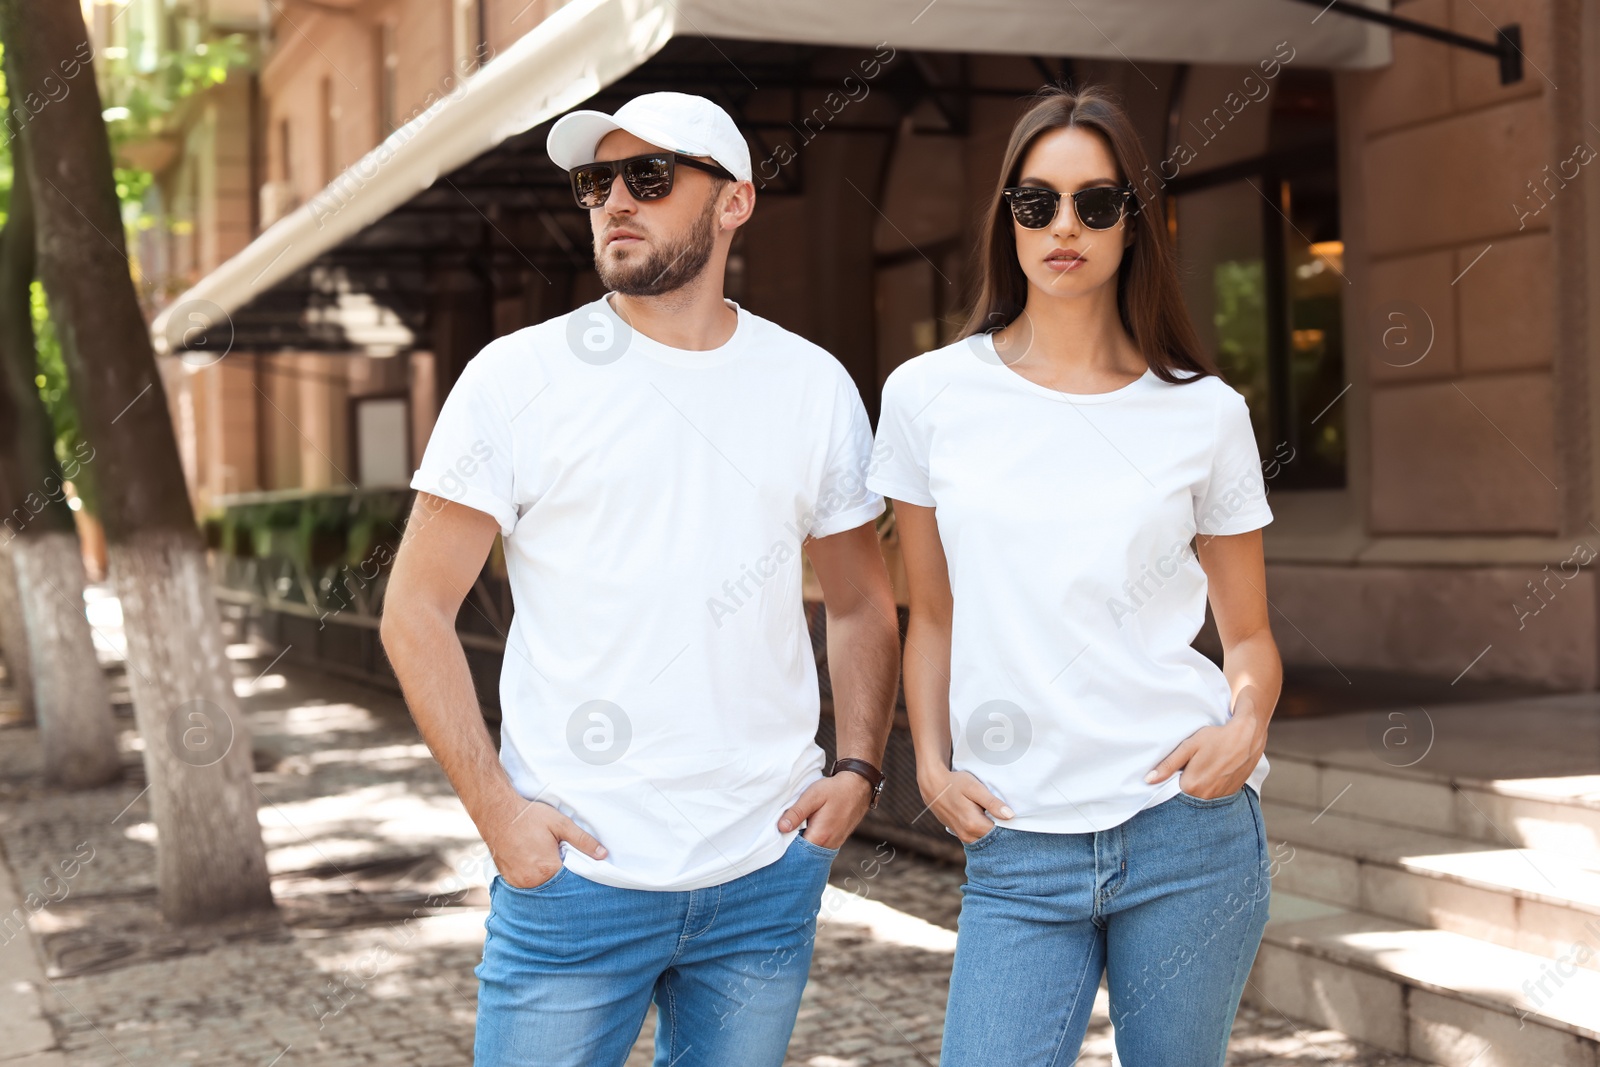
pixel 1099 208
pixel 648 177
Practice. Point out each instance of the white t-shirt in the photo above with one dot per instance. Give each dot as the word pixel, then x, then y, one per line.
pixel 1066 521
pixel 659 685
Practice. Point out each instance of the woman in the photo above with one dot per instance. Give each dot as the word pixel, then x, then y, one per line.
pixel 1050 471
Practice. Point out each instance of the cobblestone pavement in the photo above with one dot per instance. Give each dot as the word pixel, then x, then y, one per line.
pixel 369 964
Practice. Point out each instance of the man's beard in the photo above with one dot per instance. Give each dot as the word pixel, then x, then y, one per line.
pixel 667 267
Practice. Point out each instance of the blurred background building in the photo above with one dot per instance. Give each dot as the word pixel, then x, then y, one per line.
pixel 1386 247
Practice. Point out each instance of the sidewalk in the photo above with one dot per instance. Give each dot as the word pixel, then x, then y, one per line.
pixel 369 964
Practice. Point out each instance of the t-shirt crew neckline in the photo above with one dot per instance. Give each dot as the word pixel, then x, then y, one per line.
pixel 683 357
pixel 1056 394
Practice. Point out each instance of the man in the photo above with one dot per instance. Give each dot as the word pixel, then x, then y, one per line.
pixel 654 462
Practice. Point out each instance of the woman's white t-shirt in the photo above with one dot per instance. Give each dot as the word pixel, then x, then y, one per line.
pixel 1067 522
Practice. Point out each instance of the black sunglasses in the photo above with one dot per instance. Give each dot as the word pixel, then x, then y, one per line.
pixel 1099 208
pixel 648 177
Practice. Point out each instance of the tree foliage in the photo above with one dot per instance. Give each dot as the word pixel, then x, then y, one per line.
pixel 141 105
pixel 144 105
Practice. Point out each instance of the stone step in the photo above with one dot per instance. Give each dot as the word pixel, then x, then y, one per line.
pixel 1556 814
pixel 1435 995
pixel 1529 899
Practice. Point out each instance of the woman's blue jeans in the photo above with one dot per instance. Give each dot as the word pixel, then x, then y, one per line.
pixel 1170 906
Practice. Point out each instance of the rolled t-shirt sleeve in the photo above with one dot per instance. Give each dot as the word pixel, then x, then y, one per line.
pixel 468 458
pixel 843 500
pixel 1233 498
pixel 900 452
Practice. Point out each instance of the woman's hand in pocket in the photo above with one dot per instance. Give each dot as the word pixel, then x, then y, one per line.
pixel 1215 760
pixel 962 803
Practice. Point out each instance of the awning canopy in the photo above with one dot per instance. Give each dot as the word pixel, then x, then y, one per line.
pixel 1209 31
pixel 588 45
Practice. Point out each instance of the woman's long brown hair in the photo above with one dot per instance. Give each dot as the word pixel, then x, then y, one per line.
pixel 1149 299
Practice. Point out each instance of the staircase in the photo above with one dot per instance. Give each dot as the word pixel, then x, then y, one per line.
pixel 1437 888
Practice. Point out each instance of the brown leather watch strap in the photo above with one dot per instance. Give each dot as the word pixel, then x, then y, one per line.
pixel 873 776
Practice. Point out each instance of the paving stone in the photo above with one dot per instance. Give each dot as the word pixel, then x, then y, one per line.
pixel 367 962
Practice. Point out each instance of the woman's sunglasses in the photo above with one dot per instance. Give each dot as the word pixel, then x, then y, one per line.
pixel 648 177
pixel 1099 208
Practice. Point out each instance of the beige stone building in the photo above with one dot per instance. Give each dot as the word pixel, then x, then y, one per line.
pixel 1392 252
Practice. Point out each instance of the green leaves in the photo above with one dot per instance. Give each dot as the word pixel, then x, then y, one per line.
pixel 52 381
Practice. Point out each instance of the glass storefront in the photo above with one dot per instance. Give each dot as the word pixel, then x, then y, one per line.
pixel 1258 237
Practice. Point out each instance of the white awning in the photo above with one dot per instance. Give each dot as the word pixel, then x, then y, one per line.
pixel 589 44
pixel 1189 31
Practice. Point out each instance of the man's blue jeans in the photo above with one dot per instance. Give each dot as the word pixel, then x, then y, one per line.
pixel 570 967
pixel 1170 905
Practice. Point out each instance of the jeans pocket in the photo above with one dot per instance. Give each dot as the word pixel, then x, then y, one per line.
pixel 529 890
pixel 982 842
pixel 1210 802
pixel 816 849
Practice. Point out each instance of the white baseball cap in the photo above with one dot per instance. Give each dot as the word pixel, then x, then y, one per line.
pixel 678 122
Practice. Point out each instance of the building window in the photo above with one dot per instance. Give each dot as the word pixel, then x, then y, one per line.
pixel 1256 216
pixel 466 32
pixel 388 67
pixel 330 132
pixel 381 439
pixel 285 160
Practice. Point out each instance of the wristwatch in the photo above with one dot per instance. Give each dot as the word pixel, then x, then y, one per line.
pixel 873 776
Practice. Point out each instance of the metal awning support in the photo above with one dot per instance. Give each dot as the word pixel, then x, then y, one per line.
pixel 1506 46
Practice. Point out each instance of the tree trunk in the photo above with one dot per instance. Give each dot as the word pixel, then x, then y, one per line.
pixel 14 634
pixel 16 338
pixel 44 563
pixel 211 862
pixel 75 727
pixel 197 746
